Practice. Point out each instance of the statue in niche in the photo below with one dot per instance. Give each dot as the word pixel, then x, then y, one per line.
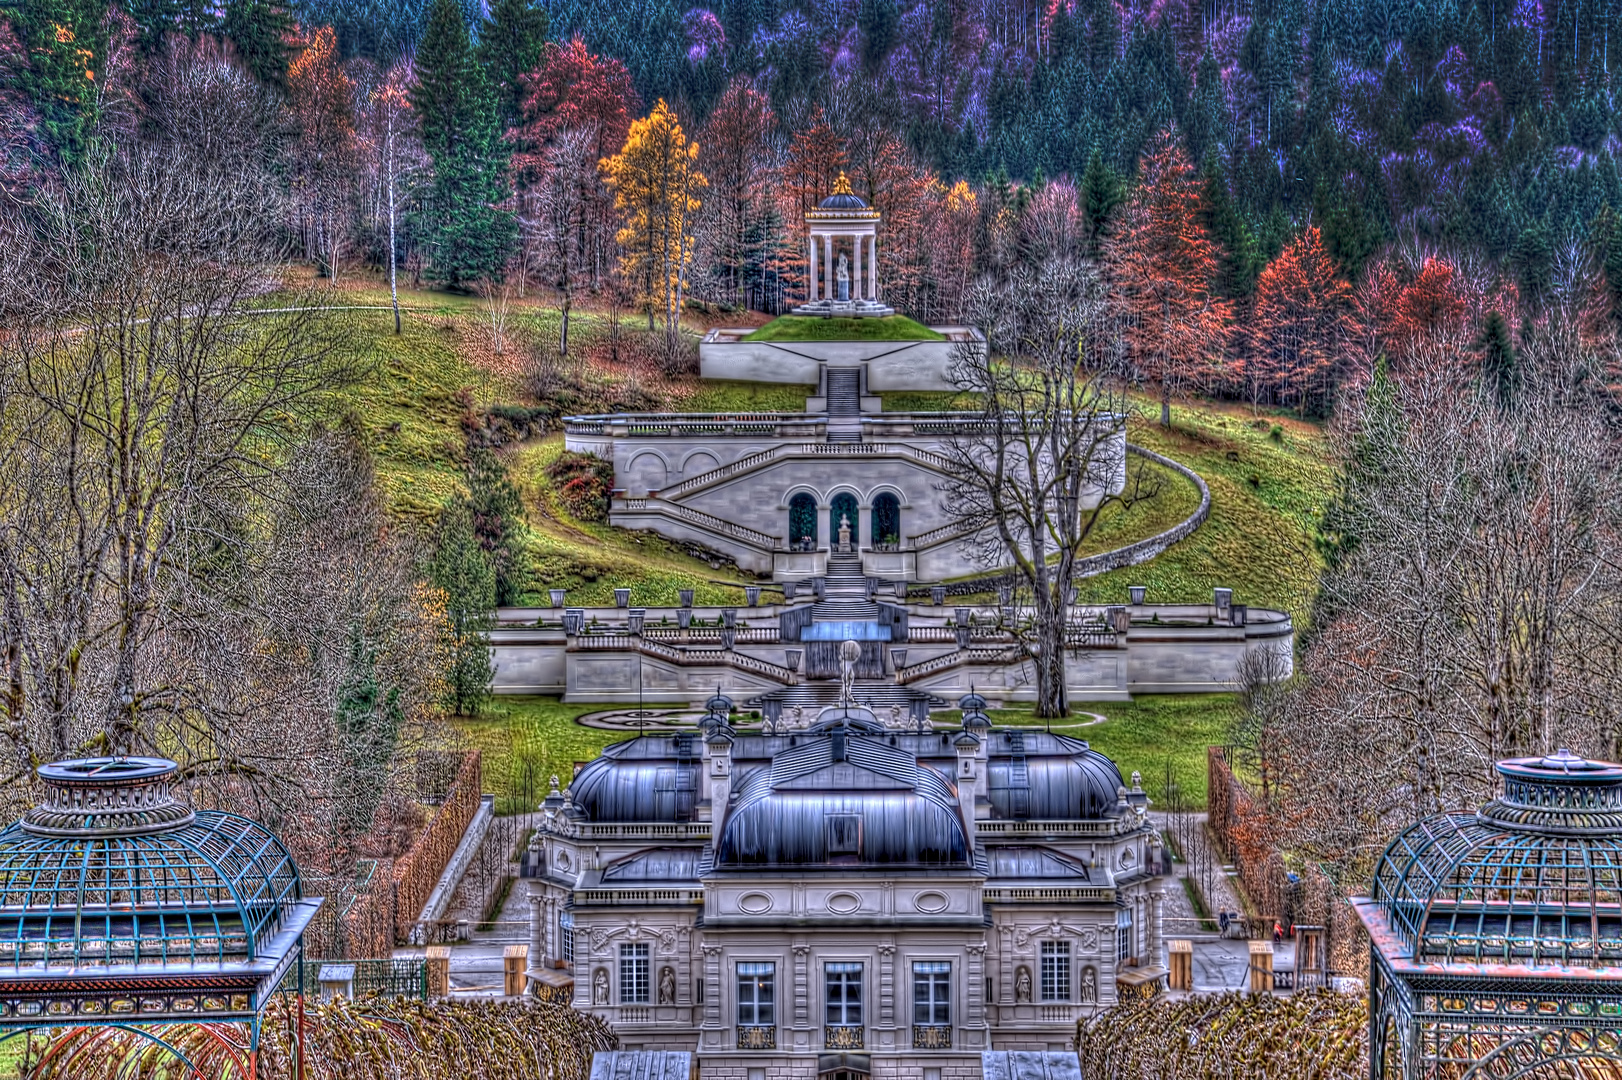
pixel 843 277
pixel 1089 986
pixel 667 986
pixel 599 987
pixel 1022 985
pixel 844 532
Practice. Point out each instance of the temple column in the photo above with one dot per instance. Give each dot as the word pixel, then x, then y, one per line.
pixel 828 271
pixel 856 270
pixel 811 274
pixel 873 266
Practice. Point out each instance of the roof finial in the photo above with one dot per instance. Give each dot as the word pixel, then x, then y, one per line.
pixel 842 185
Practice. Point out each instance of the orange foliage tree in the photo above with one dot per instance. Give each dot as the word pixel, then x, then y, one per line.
pixel 1302 314
pixel 320 98
pixel 1164 264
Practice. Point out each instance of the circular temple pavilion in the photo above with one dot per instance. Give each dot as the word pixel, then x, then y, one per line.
pixel 842 257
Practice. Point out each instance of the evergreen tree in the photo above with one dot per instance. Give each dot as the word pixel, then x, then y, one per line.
pixel 498 522
pixel 466 235
pixel 1102 190
pixel 258 30
pixel 368 720
pixel 462 571
pixel 510 45
pixel 1240 261
pixel 65 43
pixel 1500 368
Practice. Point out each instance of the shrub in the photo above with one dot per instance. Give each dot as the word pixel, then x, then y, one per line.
pixel 583 482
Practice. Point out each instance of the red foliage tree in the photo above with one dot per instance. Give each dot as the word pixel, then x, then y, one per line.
pixel 1302 316
pixel 1165 263
pixel 572 89
pixel 732 145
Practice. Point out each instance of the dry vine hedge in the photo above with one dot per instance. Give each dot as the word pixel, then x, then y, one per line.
pixel 368 1039
pixel 1321 1035
pixel 417 872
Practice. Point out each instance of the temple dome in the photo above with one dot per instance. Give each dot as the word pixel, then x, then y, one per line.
pixel 843 198
pixel 1532 879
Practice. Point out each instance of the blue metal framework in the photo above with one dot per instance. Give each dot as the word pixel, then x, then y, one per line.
pixel 121 907
pixel 1496 937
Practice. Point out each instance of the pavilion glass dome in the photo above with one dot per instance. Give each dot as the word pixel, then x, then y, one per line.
pixel 1496 937
pixel 120 903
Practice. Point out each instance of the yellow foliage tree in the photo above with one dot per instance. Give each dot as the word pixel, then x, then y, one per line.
pixel 656 186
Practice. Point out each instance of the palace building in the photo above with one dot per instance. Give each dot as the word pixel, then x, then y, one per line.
pixel 850 899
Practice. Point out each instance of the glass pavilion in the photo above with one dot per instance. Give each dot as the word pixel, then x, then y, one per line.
pixel 121 906
pixel 1496 936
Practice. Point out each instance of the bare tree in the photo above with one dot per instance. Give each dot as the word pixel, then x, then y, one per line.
pixel 143 410
pixel 1469 612
pixel 562 201
pixel 1047 457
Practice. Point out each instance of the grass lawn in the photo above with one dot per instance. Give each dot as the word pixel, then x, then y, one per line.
pixel 527 740
pixel 817 328
pixel 1152 734
pixel 1269 480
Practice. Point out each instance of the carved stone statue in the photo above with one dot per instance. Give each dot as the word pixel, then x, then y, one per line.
pixel 667 986
pixel 599 987
pixel 797 717
pixel 849 653
pixel 1022 985
pixel 844 532
pixel 843 277
pixel 895 717
pixel 1089 986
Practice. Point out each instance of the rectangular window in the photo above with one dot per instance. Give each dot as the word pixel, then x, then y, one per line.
pixel 932 993
pixel 844 985
pixel 566 937
pixel 634 981
pixel 757 995
pixel 844 834
pixel 1126 942
pixel 1055 971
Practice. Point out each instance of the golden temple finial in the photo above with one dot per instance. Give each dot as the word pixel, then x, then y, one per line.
pixel 842 185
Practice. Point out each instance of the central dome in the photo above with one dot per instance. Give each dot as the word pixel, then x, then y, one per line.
pixel 843 800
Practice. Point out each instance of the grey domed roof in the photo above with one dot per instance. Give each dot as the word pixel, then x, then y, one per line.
pixel 844 801
pixel 1038 776
pixel 653 778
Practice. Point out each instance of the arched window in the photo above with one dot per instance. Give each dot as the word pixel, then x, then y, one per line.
pixel 802 522
pixel 886 531
pixel 844 506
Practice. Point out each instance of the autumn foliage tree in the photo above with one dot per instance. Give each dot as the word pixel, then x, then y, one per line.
pixel 1164 264
pixel 656 184
pixel 1302 313
pixel 740 172
pixel 572 90
pixel 324 152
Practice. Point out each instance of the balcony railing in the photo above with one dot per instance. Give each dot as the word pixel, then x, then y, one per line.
pixel 931 1037
pixel 842 1037
pixel 754 1037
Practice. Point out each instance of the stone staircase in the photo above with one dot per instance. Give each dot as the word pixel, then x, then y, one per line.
pixel 821 693
pixel 844 405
